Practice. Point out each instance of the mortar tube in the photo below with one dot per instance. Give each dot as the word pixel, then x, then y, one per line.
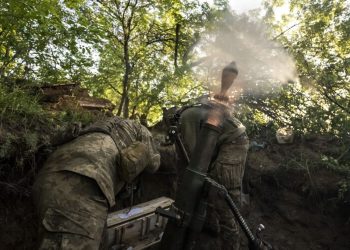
pixel 190 189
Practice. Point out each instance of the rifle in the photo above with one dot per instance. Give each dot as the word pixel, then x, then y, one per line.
pixel 185 219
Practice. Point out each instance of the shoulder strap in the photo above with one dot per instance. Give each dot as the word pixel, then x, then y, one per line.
pixel 232 134
pixel 182 109
pixel 112 127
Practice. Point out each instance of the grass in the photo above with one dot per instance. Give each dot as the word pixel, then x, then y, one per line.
pixel 25 126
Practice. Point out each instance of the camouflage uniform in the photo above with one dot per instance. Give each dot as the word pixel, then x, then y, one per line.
pixel 220 230
pixel 79 181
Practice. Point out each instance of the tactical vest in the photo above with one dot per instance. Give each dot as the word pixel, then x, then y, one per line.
pixel 119 129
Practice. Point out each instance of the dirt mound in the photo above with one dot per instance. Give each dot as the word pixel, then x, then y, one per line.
pixel 299 205
pixel 290 193
pixel 18 225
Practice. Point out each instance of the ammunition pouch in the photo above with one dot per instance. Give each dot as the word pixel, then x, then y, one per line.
pixel 133 160
pixel 60 221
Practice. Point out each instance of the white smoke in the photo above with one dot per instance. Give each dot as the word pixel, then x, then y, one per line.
pixel 264 65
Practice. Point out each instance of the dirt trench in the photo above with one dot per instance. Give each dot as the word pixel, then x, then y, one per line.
pixel 300 209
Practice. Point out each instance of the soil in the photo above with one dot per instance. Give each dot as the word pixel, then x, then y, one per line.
pixel 296 202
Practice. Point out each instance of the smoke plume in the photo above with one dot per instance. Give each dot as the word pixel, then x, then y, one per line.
pixel 263 64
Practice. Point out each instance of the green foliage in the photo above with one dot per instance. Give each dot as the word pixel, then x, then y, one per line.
pixel 314 33
pixel 139 54
pixel 31 141
pixel 19 113
pixel 147 57
pixel 334 165
pixel 25 127
pixel 19 118
pixel 18 106
pixel 6 147
pixel 42 40
pixel 70 116
pixel 257 123
pixel 142 55
pixel 344 188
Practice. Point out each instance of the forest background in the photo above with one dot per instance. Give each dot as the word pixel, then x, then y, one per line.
pixel 147 55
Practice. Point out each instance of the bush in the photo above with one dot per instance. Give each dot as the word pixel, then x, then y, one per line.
pixel 24 127
pixel 19 107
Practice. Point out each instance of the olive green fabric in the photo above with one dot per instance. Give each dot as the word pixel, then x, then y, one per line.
pixel 147 138
pixel 72 211
pixel 190 124
pixel 228 169
pixel 97 156
pixel 220 229
pixel 93 155
pixel 79 181
pixel 123 131
pixel 191 121
pixel 134 159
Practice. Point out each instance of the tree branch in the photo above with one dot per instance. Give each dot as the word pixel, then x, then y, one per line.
pixel 177 39
pixel 335 102
pixel 283 32
pixel 115 89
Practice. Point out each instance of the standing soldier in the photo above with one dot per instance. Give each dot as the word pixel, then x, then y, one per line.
pixel 79 181
pixel 227 167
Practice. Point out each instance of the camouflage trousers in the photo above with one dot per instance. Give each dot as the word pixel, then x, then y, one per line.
pixel 72 211
pixel 221 231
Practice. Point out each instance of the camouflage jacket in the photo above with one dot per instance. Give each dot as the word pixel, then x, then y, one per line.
pixel 97 153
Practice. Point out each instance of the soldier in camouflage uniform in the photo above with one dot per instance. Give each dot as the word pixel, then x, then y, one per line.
pixel 220 230
pixel 79 181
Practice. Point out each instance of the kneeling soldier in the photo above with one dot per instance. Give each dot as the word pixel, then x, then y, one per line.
pixel 79 181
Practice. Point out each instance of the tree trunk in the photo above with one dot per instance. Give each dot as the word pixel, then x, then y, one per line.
pixel 121 104
pixel 126 107
pixel 177 39
pixel 124 103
